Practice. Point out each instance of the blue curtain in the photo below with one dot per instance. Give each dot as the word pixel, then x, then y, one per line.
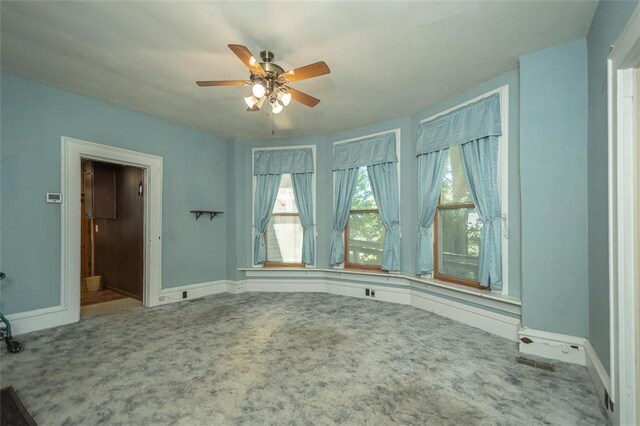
pixel 384 183
pixel 265 198
pixel 430 175
pixel 268 167
pixel 279 161
pixel 365 152
pixel 303 196
pixel 343 193
pixel 480 162
pixel 474 121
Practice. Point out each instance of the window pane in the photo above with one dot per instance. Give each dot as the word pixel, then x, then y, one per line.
pixel 459 243
pixel 454 185
pixel 366 237
pixel 284 239
pixel 285 201
pixel 363 195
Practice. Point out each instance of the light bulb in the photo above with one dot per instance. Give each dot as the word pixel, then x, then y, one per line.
pixel 251 101
pixel 276 107
pixel 284 97
pixel 258 90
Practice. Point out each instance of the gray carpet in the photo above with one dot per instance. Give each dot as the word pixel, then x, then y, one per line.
pixel 267 358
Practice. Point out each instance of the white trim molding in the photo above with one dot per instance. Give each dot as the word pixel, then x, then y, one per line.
pixel 39 319
pixel 194 291
pixel 556 346
pixel 624 221
pixel 566 348
pixel 494 313
pixel 73 151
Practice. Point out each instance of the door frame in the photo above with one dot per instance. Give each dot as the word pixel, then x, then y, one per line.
pixel 73 152
pixel 624 244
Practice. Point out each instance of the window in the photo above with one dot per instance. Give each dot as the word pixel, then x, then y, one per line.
pixel 283 237
pixel 456 227
pixel 465 250
pixel 364 233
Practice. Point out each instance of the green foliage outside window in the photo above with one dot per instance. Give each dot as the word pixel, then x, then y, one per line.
pixel 366 231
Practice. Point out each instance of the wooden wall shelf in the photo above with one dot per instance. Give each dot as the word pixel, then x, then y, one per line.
pixel 211 213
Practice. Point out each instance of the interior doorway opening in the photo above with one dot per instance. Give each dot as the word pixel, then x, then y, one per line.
pixel 111 237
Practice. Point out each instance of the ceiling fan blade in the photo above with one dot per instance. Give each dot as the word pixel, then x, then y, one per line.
pixel 247 58
pixel 308 71
pixel 303 98
pixel 253 108
pixel 220 83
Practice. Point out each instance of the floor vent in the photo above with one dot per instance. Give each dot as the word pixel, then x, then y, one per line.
pixel 536 364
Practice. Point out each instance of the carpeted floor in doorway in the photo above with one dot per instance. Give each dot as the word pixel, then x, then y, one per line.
pixel 278 358
pixel 93 297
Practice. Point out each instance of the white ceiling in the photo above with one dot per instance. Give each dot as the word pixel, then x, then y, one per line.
pixel 387 59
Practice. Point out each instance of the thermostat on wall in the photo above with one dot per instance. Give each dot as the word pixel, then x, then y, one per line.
pixel 54 197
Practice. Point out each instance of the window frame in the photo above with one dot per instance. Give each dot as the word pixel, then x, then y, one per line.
pixel 268 264
pixel 436 243
pixel 347 264
pixel 345 234
pixel 503 184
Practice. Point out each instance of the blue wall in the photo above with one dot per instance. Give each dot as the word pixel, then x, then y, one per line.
pixel 408 183
pixel 556 266
pixel 607 25
pixel 553 168
pixel 33 118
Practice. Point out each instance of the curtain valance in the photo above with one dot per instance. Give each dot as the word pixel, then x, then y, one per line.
pixel 277 162
pixel 365 152
pixel 474 121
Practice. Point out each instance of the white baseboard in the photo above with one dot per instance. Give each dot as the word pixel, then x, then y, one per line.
pixel 491 322
pixel 39 319
pixel 268 285
pixel 382 293
pixel 175 294
pixel 576 350
pixel 557 346
pixel 495 323
pixel 599 375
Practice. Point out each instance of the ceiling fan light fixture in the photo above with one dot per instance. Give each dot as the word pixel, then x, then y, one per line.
pixel 258 90
pixel 251 101
pixel 284 97
pixel 269 81
pixel 276 107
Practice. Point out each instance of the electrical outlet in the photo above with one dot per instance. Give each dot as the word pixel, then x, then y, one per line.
pixel 184 294
pixel 241 287
pixel 366 291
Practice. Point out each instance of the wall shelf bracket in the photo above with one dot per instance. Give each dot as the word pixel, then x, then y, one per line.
pixel 211 213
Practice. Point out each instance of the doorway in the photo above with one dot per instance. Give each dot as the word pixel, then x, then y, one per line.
pixel 111 237
pixel 624 221
pixel 73 152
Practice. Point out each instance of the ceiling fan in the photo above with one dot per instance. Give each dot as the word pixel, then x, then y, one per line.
pixel 269 81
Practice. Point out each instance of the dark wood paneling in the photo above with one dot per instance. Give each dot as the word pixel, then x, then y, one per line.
pixel 99 180
pixel 86 244
pixel 119 249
